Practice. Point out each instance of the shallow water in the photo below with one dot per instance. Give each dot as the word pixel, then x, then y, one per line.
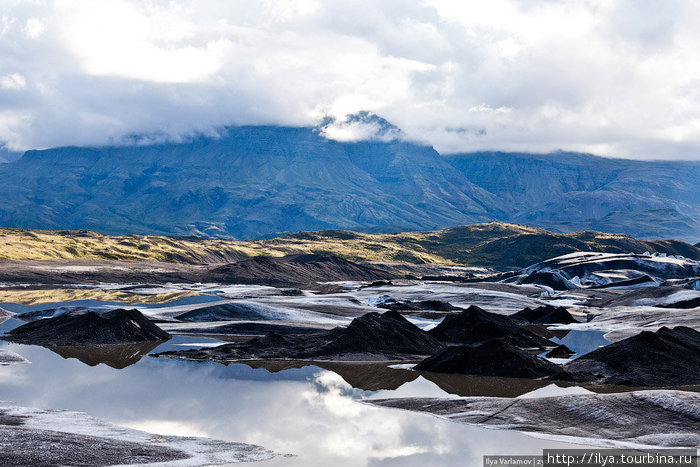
pixel 311 412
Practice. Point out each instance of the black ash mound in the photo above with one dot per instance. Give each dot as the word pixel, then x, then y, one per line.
pixel 388 334
pixel 51 312
pixel 295 270
pixel 374 336
pixel 492 358
pixel 89 329
pixel 683 304
pixel 418 305
pixel 546 314
pixel 225 312
pixel 475 325
pixel 560 351
pixel 667 357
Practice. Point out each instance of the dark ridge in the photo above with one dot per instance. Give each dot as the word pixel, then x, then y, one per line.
pixel 378 284
pixel 683 304
pixel 553 279
pixel 560 351
pixel 475 325
pixel 667 357
pixel 546 314
pixel 418 305
pixel 51 312
pixel 223 312
pixel 643 279
pixel 291 292
pixel 89 329
pixel 247 328
pixel 388 333
pixel 295 270
pixel 373 336
pixel 491 358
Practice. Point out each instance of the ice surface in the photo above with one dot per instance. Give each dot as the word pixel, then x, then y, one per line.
pixel 202 451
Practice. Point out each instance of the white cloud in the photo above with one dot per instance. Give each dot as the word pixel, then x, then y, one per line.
pixel 619 78
pixel 34 28
pixel 14 81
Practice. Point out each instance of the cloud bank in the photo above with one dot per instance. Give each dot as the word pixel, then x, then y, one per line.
pixel 618 78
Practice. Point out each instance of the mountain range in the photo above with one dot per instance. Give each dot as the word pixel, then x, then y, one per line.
pixel 264 181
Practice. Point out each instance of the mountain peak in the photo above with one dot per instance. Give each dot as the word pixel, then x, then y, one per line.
pixel 360 126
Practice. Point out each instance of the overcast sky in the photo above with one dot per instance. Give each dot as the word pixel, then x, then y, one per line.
pixel 618 78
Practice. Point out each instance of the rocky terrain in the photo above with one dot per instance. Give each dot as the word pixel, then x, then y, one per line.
pixel 603 419
pixel 608 270
pixel 667 357
pixel 474 325
pixel 493 357
pixel 294 270
pixel 485 335
pixel 546 314
pixel 371 337
pixel 288 271
pixel 89 328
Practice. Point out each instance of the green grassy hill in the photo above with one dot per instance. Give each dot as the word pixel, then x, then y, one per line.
pixel 487 244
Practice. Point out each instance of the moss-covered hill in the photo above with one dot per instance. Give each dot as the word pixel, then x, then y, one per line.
pixel 488 244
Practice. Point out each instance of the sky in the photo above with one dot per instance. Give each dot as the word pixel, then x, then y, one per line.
pixel 614 78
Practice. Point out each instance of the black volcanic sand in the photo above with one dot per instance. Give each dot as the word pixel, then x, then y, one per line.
pixel 560 351
pixel 89 329
pixel 247 328
pixel 667 357
pixel 373 336
pixel 683 304
pixel 546 314
pixel 299 269
pixel 660 418
pixel 51 312
pixel 475 325
pixel 224 312
pixel 303 270
pixel 418 305
pixel 44 448
pixel 491 358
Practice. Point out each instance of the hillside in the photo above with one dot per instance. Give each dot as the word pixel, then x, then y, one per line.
pixel 251 182
pixel 489 244
pixel 571 192
pixel 265 181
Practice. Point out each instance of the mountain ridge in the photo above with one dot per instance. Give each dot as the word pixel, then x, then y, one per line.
pixel 487 244
pixel 265 181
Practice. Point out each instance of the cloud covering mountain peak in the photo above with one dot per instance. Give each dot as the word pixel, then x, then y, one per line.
pixel 615 78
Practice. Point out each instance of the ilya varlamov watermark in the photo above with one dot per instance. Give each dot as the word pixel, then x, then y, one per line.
pixel 600 458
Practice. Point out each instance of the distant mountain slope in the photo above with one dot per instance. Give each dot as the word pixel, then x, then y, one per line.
pixel 263 181
pixel 571 191
pixel 253 181
pixel 490 244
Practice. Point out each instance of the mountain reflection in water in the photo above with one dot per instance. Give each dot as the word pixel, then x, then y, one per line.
pixel 117 356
